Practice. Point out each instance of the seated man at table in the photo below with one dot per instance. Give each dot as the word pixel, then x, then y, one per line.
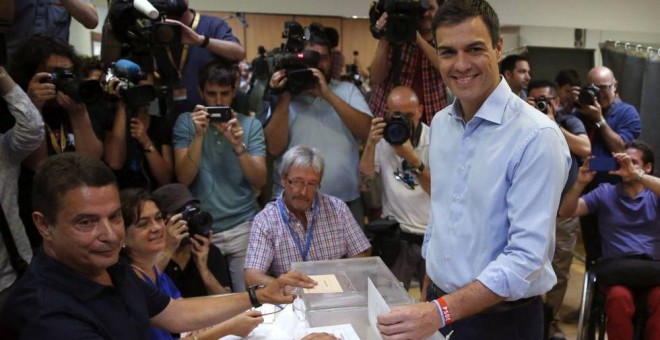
pixel 302 224
pixel 76 287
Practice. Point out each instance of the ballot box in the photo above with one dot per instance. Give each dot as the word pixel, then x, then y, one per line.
pixel 341 296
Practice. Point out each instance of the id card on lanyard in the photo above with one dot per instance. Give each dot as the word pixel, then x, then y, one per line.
pixel 310 229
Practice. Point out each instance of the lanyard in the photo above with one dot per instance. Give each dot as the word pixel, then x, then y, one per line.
pixel 53 139
pixel 310 230
pixel 184 53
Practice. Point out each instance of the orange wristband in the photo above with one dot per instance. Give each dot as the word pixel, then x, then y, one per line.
pixel 445 310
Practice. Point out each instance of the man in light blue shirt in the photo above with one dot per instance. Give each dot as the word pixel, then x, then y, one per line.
pixel 497 170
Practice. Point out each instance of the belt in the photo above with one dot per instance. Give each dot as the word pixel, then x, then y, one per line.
pixel 504 306
pixel 412 238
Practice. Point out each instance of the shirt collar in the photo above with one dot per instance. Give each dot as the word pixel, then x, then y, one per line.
pixel 69 281
pixel 492 109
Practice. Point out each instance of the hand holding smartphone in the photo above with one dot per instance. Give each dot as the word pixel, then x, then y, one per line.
pixel 220 114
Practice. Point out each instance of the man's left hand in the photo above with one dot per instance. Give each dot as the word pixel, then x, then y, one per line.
pixel 418 321
pixel 593 112
pixel 233 131
pixel 322 85
pixel 405 151
pixel 70 105
pixel 627 169
pixel 188 35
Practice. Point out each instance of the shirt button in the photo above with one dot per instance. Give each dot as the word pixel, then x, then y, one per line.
pixel 446 258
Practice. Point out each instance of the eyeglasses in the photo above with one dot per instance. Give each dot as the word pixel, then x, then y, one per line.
pixel 299 184
pixel 604 87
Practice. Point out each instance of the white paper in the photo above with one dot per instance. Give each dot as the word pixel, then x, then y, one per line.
pixel 377 306
pixel 344 331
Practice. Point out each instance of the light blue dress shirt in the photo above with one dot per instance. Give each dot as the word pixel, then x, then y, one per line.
pixel 496 184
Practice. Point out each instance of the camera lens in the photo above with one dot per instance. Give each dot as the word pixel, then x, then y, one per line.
pixel 542 106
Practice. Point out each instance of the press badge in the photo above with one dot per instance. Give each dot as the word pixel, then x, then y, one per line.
pixel 179 93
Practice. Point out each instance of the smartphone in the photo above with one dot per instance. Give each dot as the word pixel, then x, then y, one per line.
pixel 221 114
pixel 603 164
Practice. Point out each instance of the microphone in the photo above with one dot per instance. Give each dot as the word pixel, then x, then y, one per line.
pixel 146 8
pixel 125 68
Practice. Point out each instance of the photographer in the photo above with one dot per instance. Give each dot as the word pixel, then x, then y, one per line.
pixel 145 160
pixel 332 117
pixel 222 161
pixel 416 67
pixel 405 195
pixel 516 72
pixel 204 38
pixel 543 96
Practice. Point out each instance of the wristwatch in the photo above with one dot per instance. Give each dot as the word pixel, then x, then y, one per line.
pixel 601 123
pixel 418 170
pixel 252 293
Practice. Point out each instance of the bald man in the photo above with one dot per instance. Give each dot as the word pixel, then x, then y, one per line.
pixel 397 175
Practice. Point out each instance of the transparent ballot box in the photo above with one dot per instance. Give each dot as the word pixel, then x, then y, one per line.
pixel 343 296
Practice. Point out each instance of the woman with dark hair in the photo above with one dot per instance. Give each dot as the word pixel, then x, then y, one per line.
pixel 145 240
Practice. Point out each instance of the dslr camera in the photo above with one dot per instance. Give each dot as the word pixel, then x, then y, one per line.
pixel 120 82
pixel 587 95
pixel 403 19
pixel 398 128
pixel 199 221
pixel 295 60
pixel 81 90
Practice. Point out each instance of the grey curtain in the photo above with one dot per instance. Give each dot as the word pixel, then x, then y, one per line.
pixel 638 73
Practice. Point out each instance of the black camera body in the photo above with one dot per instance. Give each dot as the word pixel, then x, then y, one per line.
pixel 81 90
pixel 121 83
pixel 403 19
pixel 398 129
pixel 587 95
pixel 295 60
pixel 541 104
pixel 199 221
pixel 220 114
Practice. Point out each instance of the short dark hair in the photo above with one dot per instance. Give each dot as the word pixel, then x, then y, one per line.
pixel 509 63
pixel 34 52
pixel 333 36
pixel 541 83
pixel 318 36
pixel 62 173
pixel 89 64
pixel 218 72
pixel 454 12
pixel 132 201
pixel 569 76
pixel 647 153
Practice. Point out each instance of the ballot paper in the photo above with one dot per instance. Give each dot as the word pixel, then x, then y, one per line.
pixel 344 331
pixel 326 284
pixel 376 305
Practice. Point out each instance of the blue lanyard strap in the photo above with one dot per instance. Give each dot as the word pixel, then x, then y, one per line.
pixel 310 229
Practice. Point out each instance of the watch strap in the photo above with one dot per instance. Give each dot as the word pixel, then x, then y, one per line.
pixel 252 293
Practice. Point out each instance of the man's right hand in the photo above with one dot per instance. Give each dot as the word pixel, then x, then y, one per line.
pixel 381 22
pixel 376 133
pixel 278 80
pixel 584 175
pixel 41 92
pixel 279 290
pixel 200 120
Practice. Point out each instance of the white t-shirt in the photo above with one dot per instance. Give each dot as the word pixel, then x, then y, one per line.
pixel 409 207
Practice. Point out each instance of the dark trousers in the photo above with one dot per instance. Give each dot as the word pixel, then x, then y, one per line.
pixel 523 322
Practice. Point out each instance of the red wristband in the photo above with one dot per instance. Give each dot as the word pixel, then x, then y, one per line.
pixel 445 310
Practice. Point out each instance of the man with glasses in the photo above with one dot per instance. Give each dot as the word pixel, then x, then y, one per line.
pixel 543 95
pixel 302 224
pixel 397 176
pixel 333 117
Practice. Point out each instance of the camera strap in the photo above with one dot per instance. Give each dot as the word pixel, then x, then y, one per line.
pixel 59 148
pixel 310 229
pixel 184 52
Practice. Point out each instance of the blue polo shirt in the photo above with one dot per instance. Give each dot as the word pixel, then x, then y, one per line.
pixel 54 302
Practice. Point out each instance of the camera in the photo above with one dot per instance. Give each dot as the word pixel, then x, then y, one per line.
pixel 220 114
pixel 403 19
pixel 541 104
pixel 295 60
pixel 199 221
pixel 398 128
pixel 120 82
pixel 587 95
pixel 82 91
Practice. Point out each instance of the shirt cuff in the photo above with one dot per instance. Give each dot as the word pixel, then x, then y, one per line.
pixel 504 282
